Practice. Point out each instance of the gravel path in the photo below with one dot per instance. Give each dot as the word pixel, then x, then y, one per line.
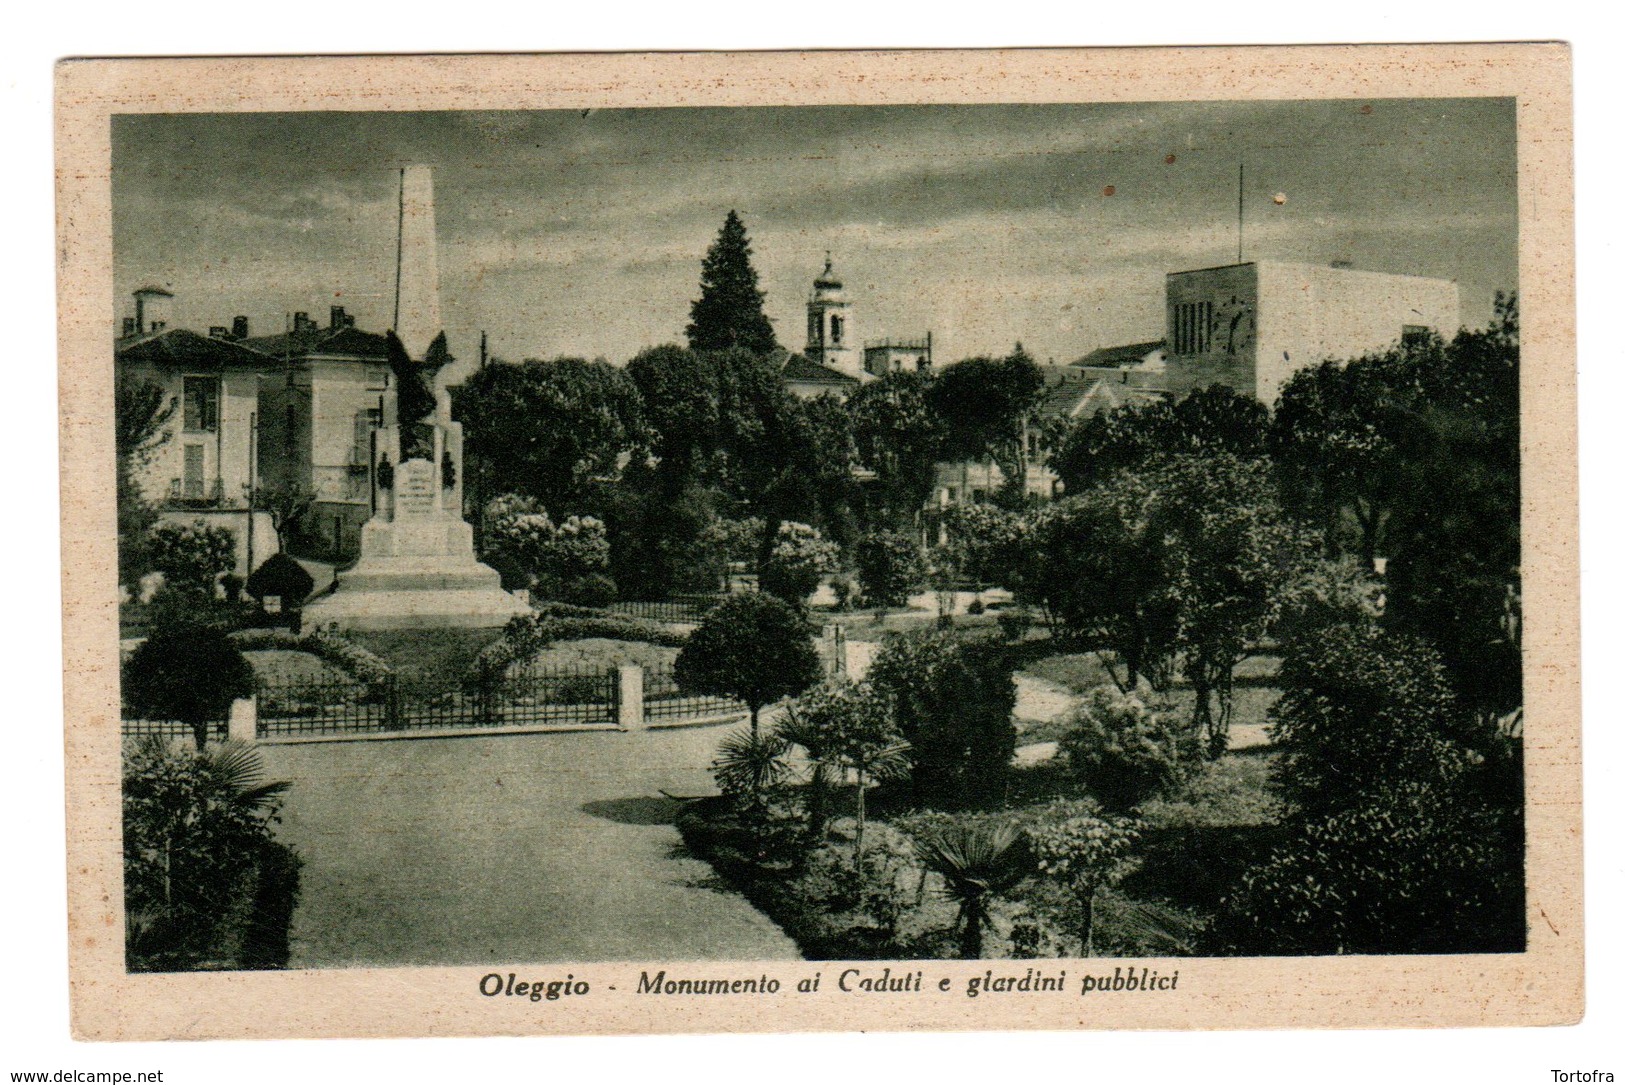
pixel 507 849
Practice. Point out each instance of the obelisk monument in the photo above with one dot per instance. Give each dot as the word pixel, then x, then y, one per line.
pixel 417 565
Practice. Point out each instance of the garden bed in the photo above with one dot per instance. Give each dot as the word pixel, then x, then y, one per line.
pixel 1194 845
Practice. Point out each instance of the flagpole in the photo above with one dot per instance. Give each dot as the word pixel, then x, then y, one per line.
pixel 1241 209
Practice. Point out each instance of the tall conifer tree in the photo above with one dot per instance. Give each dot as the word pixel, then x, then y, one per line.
pixel 729 310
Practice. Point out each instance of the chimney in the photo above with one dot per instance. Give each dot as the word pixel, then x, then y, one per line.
pixel 218 331
pixel 129 326
pixel 239 327
pixel 336 318
pixel 301 323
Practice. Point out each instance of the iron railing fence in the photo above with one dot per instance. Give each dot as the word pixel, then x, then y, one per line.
pixel 664 699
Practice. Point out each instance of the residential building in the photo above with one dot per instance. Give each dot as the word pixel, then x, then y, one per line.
pixel 317 423
pixel 203 465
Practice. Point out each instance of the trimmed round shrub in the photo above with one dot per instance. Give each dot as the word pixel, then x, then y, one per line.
pixel 1125 751
pixel 282 576
pixel 189 673
pixel 754 647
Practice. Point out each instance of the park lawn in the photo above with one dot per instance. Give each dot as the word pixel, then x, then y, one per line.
pixel 436 658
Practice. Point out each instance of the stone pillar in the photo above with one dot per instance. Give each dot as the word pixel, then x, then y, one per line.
pixel 242 724
pixel 629 697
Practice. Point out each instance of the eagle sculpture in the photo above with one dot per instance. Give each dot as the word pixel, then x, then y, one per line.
pixel 414 393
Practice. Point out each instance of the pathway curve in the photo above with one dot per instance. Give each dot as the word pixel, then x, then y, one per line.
pixel 516 848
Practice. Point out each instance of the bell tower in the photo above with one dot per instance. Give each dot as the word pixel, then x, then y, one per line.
pixel 831 337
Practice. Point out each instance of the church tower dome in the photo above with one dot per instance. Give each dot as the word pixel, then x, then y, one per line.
pixel 831 336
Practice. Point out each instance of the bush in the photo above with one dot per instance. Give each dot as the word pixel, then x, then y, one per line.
pixel 531 551
pixel 197 845
pixel 951 699
pixel 592 590
pixel 1014 623
pixel 798 559
pixel 1418 868
pixel 1360 708
pixel 282 576
pixel 527 634
pixel 889 565
pixel 191 556
pixel 847 594
pixel 347 656
pixel 1125 751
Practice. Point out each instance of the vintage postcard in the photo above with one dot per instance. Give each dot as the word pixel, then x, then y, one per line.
pixel 828 541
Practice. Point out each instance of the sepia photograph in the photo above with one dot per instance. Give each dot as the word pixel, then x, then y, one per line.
pixel 966 553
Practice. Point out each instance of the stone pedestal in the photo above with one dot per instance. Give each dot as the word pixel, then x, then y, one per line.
pixel 417 566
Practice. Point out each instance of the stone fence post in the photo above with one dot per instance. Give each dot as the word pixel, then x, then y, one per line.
pixel 242 723
pixel 629 697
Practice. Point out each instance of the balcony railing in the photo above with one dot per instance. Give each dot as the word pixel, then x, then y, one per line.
pixel 197 493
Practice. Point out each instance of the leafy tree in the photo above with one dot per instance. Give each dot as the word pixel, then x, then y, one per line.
pixel 191 556
pixel 729 311
pixel 548 429
pixel 1085 854
pixel 978 862
pixel 1454 541
pixel 1405 817
pixel 995 545
pixel 1230 550
pixel 1419 867
pixel 141 413
pixel 951 699
pixel 186 672
pixel 1211 420
pixel 797 560
pixel 753 647
pixel 1338 438
pixel 984 406
pixel 845 727
pixel 808 455
pixel 681 401
pixel 898 436
pixel 1125 751
pixel 1099 565
pixel 889 565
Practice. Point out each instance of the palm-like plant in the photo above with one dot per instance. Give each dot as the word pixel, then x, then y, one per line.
pixel 978 862
pixel 751 763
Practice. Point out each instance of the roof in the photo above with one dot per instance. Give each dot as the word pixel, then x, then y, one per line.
pixel 799 368
pixel 1064 390
pixel 177 347
pixel 149 289
pixel 1127 354
pixel 345 341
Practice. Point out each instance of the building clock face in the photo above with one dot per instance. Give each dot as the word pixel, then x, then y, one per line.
pixel 1234 327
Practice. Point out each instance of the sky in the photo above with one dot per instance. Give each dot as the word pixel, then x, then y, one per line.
pixel 571 233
